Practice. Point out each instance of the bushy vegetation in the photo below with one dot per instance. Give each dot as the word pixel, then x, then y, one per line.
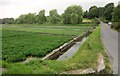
pixel 73 15
pixel 116 14
pixel 116 26
pixel 54 16
pixel 93 12
pixel 116 18
pixel 108 11
pixel 26 18
pixel 7 21
pixel 41 18
pixel 85 57
pixel 103 19
pixel 100 12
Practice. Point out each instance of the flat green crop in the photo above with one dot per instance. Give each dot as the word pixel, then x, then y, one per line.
pixel 53 29
pixel 18 45
pixel 22 41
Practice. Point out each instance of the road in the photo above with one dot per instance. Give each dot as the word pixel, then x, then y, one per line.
pixel 110 41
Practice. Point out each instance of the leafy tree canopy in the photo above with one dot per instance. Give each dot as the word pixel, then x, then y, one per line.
pixel 73 15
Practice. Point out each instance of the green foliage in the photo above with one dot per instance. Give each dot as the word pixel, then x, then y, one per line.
pixel 101 11
pixel 54 16
pixel 96 22
pixel 116 14
pixel 93 12
pixel 31 18
pixel 116 26
pixel 21 19
pixel 73 15
pixel 26 19
pixel 8 21
pixel 108 11
pixel 103 19
pixel 86 14
pixel 105 13
pixel 41 18
pixel 74 18
pixel 116 18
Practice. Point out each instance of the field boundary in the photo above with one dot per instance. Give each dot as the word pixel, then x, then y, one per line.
pixel 55 34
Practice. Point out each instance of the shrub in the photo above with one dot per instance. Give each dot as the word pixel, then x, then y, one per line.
pixel 103 19
pixel 96 22
pixel 116 26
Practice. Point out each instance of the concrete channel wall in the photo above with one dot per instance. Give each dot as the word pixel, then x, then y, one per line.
pixel 62 49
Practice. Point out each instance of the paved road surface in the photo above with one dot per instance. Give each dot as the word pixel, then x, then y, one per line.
pixel 110 41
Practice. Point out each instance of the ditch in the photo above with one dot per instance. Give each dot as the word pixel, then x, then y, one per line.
pixel 67 50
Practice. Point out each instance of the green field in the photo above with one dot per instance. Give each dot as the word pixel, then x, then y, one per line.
pixel 51 28
pixel 86 57
pixel 22 41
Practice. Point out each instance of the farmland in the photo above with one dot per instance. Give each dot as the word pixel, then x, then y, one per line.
pixel 22 41
pixel 85 57
pixel 61 38
pixel 50 28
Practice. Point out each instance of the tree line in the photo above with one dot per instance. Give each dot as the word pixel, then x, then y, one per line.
pixel 72 15
pixel 105 13
pixel 108 13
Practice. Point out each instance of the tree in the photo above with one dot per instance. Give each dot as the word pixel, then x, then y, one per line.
pixel 93 12
pixel 21 19
pixel 116 18
pixel 8 21
pixel 73 15
pixel 66 18
pixel 30 18
pixel 54 16
pixel 116 14
pixel 74 18
pixel 26 18
pixel 101 11
pixel 86 14
pixel 41 18
pixel 108 11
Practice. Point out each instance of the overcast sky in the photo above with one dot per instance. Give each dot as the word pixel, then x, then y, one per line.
pixel 14 8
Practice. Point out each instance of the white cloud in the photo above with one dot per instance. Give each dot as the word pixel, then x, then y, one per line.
pixel 14 8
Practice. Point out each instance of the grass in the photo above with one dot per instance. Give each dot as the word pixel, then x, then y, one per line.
pixel 52 28
pixel 85 57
